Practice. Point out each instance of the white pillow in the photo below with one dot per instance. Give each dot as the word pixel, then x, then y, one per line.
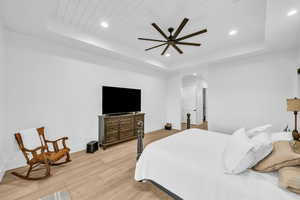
pixel 236 151
pixel 242 153
pixel 255 131
pixel 262 144
pixel 281 136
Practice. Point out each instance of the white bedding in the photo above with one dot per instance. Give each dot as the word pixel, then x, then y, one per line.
pixel 189 164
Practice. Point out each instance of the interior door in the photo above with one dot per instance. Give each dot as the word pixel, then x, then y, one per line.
pixel 190 103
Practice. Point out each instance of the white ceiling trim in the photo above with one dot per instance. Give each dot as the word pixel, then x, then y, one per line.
pixel 68 31
pixel 262 26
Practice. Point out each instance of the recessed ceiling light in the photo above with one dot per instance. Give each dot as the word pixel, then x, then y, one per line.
pixel 232 32
pixel 194 74
pixel 168 55
pixel 292 12
pixel 104 24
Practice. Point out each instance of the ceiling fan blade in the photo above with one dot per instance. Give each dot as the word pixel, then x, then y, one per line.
pixel 191 35
pixel 160 31
pixel 154 40
pixel 189 43
pixel 177 48
pixel 179 29
pixel 164 51
pixel 155 46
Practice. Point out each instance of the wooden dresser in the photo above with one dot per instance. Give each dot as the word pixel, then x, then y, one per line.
pixel 118 128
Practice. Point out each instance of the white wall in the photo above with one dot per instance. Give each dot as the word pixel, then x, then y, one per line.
pixel 247 92
pixel 299 55
pixel 251 92
pixel 64 94
pixel 2 102
pixel 298 66
pixel 174 101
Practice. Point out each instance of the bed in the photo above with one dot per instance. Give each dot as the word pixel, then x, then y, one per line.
pixel 189 166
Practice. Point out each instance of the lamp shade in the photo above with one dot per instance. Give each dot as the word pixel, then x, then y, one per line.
pixel 293 104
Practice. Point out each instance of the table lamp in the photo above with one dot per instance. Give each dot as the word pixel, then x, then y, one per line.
pixel 293 105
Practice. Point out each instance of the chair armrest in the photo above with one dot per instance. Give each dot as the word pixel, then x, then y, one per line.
pixel 55 143
pixel 34 151
pixel 63 138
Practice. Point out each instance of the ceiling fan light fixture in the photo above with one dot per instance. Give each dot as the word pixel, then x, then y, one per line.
pixel 292 12
pixel 168 55
pixel 104 24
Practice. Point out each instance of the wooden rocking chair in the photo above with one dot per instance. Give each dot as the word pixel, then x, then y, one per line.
pixel 42 155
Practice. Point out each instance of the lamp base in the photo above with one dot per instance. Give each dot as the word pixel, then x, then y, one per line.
pixel 296 135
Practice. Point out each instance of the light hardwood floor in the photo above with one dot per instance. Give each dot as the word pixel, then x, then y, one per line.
pixel 104 175
pixel 203 125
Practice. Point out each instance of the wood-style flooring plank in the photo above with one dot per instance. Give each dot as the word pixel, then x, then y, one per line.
pixel 104 175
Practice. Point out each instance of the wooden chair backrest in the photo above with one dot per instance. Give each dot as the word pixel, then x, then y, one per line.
pixel 41 132
pixel 20 143
pixel 19 140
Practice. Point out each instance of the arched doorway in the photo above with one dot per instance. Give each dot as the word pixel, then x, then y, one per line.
pixel 193 100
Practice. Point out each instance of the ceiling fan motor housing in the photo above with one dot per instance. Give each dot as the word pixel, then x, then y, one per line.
pixel 171 30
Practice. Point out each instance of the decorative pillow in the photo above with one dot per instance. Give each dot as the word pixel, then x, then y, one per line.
pixel 235 157
pixel 242 153
pixel 281 136
pixel 289 178
pixel 281 156
pixel 262 147
pixel 255 131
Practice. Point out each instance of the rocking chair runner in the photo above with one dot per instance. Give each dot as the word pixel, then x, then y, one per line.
pixel 42 155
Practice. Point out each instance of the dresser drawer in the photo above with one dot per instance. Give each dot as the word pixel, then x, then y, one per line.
pixel 126 133
pixel 112 131
pixel 126 120
pixel 112 127
pixel 126 126
pixel 112 138
pixel 112 135
pixel 112 120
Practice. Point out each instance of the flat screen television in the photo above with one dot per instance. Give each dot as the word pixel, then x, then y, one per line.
pixel 120 100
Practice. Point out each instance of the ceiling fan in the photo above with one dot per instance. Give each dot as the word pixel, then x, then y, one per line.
pixel 172 39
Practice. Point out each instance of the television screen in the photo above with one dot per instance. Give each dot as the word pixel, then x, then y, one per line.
pixel 120 100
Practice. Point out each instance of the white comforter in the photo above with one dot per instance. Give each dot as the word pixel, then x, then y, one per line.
pixel 189 164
